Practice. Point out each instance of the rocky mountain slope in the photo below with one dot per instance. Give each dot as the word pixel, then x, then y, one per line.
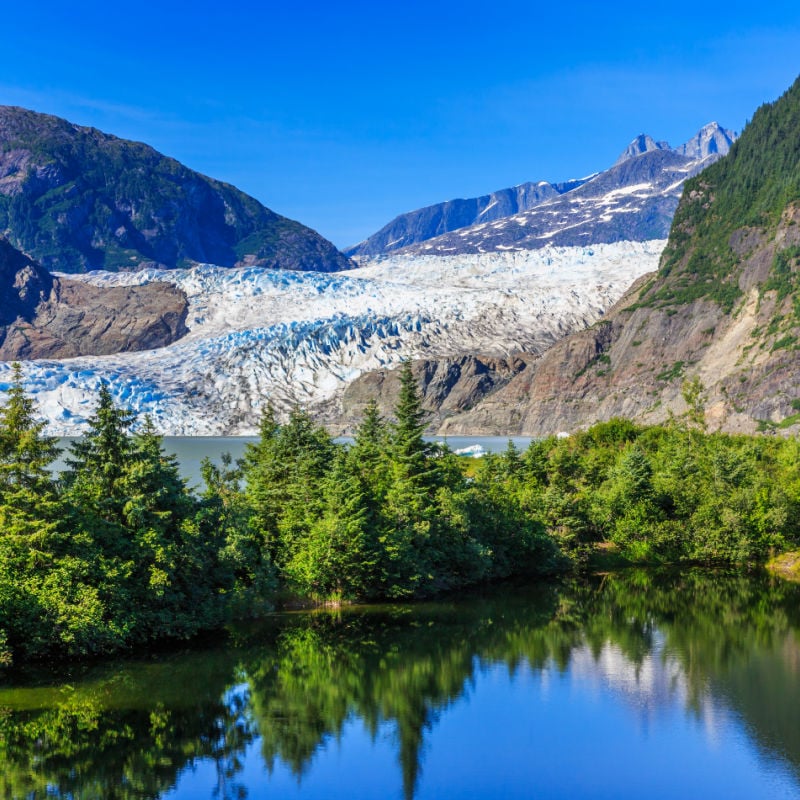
pixel 42 316
pixel 634 200
pixel 76 199
pixel 720 319
pixel 258 335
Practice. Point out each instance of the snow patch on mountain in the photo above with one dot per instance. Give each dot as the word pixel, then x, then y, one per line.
pixel 258 335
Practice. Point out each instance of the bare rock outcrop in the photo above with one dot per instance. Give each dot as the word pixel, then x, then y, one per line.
pixel 448 386
pixel 634 362
pixel 42 316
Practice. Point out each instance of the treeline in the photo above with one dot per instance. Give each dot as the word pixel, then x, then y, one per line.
pixel 669 493
pixel 390 516
pixel 117 551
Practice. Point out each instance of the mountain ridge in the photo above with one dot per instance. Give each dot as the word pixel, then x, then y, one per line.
pixel 717 324
pixel 76 199
pixel 445 227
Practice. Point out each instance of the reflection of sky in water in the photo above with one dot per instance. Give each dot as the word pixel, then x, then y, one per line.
pixel 605 727
pixel 597 732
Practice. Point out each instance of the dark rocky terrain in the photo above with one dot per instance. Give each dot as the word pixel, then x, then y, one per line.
pixel 77 199
pixel 448 386
pixel 43 316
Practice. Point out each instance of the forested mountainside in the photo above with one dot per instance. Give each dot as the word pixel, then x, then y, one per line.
pixel 77 199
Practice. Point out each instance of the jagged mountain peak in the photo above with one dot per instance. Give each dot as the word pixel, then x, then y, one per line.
pixel 632 200
pixel 641 144
pixel 711 139
pixel 721 311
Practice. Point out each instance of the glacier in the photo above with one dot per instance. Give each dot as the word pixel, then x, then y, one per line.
pixel 259 335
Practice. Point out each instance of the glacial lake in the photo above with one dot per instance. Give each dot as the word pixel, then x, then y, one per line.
pixel 191 450
pixel 639 684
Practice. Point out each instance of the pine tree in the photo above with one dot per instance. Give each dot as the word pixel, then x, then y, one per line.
pixel 338 554
pixel 410 512
pixel 409 449
pixel 99 460
pixel 371 440
pixel 29 506
pixel 283 474
pixel 155 494
pixel 30 525
pixel 263 475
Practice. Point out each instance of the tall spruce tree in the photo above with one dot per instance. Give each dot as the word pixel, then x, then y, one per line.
pixel 409 450
pixel 284 475
pixel 338 557
pixel 99 459
pixel 409 508
pixel 29 520
pixel 29 506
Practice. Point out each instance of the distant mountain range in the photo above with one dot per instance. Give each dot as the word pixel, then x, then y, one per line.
pixel 76 199
pixel 634 200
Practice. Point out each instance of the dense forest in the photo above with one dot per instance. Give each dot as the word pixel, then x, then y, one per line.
pixel 117 551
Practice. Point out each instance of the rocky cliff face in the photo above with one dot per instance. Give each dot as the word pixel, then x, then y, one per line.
pixel 711 139
pixel 42 316
pixel 640 145
pixel 635 361
pixel 431 221
pixel 77 199
pixel 448 386
pixel 633 201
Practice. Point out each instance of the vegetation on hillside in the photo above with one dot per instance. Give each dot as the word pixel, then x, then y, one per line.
pixel 87 200
pixel 750 187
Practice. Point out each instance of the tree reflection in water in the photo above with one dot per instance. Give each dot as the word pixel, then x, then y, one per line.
pixel 286 687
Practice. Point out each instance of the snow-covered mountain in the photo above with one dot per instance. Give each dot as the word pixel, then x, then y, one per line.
pixel 426 223
pixel 258 335
pixel 634 200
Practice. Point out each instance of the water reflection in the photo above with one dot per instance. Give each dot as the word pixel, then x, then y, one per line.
pixel 721 650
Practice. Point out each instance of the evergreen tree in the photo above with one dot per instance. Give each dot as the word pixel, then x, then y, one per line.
pixel 224 514
pixel 369 449
pixel 409 450
pixel 264 477
pixel 409 546
pixel 99 460
pixel 284 474
pixel 30 515
pixel 29 506
pixel 338 557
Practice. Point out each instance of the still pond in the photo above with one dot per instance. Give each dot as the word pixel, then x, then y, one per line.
pixel 640 684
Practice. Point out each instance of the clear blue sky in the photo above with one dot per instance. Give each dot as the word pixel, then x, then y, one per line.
pixel 344 114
